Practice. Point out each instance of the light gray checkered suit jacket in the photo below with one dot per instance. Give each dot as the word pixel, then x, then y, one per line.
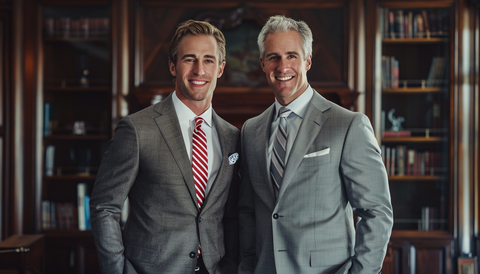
pixel 310 227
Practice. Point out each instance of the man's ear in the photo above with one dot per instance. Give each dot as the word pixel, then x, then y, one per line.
pixel 222 67
pixel 171 65
pixel 263 65
pixel 309 62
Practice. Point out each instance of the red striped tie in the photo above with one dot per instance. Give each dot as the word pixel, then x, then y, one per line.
pixel 199 160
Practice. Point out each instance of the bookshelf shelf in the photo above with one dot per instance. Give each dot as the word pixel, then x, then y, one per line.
pixel 71 177
pixel 415 90
pixel 414 40
pixel 75 39
pixel 58 137
pixel 77 89
pixel 415 178
pixel 68 233
pixel 413 139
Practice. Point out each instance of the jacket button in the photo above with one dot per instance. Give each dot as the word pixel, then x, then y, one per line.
pixel 192 255
pixel 275 216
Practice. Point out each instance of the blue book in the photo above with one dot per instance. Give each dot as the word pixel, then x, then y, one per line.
pixel 87 212
pixel 46 119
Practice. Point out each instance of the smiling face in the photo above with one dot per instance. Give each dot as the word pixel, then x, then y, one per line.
pixel 197 69
pixel 285 65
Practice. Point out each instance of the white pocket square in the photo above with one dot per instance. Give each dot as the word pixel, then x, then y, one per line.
pixel 324 151
pixel 232 159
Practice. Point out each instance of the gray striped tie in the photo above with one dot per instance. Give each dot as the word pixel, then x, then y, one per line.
pixel 279 148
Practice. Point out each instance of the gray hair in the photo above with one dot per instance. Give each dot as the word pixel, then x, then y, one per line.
pixel 280 23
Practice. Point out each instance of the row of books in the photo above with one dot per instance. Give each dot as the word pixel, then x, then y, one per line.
pixel 59 215
pixel 400 161
pixel 65 215
pixel 414 23
pixel 436 75
pixel 84 27
pixel 391 71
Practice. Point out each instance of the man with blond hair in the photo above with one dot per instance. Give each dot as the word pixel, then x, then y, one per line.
pixel 176 162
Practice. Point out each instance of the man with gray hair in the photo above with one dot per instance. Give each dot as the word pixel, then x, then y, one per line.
pixel 307 165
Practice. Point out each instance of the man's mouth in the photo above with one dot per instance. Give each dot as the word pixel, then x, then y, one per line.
pixel 198 82
pixel 284 78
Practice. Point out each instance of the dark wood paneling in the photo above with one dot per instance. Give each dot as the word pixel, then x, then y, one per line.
pixel 242 92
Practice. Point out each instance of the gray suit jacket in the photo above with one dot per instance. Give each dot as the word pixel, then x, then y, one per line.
pixel 310 227
pixel 147 160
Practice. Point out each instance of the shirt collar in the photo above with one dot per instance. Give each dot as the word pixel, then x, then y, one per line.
pixel 297 106
pixel 184 113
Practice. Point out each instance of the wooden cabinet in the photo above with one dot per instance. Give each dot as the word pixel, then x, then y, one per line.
pixel 412 98
pixel 76 83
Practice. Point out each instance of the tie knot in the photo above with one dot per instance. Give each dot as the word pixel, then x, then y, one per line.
pixel 198 122
pixel 284 112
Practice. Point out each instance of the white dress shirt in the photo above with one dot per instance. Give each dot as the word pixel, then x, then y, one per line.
pixel 294 121
pixel 186 118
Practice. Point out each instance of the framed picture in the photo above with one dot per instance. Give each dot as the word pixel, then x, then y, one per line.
pixel 467 265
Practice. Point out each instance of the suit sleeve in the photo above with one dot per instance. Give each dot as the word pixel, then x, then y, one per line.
pixel 246 217
pixel 115 177
pixel 366 184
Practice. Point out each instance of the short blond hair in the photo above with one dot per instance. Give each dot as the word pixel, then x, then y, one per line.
pixel 192 27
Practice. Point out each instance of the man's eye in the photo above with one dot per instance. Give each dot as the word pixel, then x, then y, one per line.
pixel 273 58
pixel 292 56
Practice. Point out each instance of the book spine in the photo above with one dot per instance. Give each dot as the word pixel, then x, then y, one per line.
pixel 81 192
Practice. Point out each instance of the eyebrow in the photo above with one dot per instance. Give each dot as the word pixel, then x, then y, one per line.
pixel 194 56
pixel 288 53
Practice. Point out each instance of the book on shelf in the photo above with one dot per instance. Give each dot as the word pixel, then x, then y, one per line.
pixel 393 162
pixel 401 152
pixel 83 206
pixel 391 24
pixel 436 74
pixel 387 159
pixel 429 218
pixel 49 215
pixel 49 160
pixel 398 24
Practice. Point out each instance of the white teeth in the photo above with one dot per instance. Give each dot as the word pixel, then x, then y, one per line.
pixel 284 78
pixel 198 82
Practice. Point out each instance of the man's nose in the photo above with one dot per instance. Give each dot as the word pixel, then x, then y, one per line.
pixel 283 65
pixel 199 68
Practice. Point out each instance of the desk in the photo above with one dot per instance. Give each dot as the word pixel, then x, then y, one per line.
pixel 23 254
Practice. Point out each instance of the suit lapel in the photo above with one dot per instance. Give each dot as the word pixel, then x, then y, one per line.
pixel 224 140
pixel 312 124
pixel 169 127
pixel 262 136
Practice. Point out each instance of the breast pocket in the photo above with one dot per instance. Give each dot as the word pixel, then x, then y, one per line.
pixel 312 160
